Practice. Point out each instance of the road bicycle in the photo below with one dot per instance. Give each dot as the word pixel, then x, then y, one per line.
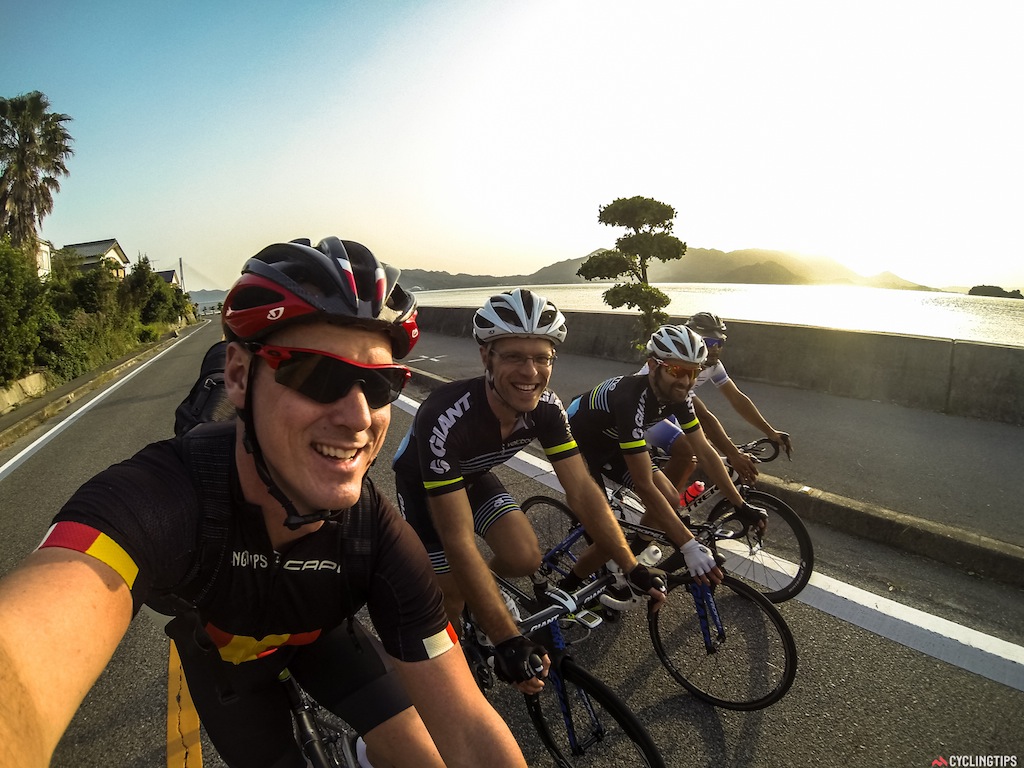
pixel 579 719
pixel 776 559
pixel 326 740
pixel 728 645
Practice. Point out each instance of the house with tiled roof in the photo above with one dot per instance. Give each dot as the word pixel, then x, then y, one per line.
pixel 170 276
pixel 94 253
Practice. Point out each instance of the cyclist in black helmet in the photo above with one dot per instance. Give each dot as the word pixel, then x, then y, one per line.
pixel 314 332
pixel 664 435
pixel 449 495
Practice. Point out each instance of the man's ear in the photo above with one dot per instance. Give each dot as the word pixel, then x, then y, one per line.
pixel 236 373
pixel 485 356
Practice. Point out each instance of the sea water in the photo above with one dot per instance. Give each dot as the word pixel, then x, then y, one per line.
pixel 917 313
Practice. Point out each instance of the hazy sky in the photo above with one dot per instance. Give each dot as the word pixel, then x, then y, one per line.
pixel 483 136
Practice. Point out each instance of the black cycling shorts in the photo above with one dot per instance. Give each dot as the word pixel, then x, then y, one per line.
pixel 488 498
pixel 245 709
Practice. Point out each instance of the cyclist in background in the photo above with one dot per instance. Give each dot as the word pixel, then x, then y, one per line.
pixel 449 494
pixel 665 435
pixel 610 422
pixel 313 334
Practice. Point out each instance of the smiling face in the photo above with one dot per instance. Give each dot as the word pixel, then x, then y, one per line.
pixel 518 379
pixel 672 380
pixel 317 453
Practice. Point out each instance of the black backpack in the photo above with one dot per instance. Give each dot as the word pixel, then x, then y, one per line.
pixel 208 400
pixel 204 425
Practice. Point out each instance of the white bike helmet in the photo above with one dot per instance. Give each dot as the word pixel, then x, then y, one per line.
pixel 677 342
pixel 519 312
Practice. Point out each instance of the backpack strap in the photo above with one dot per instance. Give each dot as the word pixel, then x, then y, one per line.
pixel 208 451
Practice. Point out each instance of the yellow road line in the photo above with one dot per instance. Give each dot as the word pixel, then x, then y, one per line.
pixel 183 747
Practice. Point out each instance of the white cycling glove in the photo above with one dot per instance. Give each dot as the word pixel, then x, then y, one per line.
pixel 699 559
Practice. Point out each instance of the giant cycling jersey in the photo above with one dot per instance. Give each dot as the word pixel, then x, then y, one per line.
pixel 455 437
pixel 611 419
pixel 141 517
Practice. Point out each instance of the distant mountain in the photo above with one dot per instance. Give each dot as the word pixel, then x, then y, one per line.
pixel 699 265
pixel 207 299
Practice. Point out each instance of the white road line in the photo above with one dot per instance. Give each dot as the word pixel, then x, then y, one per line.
pixel 939 638
pixel 46 437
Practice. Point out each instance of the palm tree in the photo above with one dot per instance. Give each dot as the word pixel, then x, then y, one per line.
pixel 34 145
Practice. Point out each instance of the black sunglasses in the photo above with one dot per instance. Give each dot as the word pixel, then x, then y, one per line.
pixel 325 378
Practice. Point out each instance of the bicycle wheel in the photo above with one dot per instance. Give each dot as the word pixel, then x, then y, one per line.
pixel 752 663
pixel 583 723
pixel 778 563
pixel 552 521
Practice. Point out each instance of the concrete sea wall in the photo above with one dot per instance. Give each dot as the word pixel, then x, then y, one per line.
pixel 960 378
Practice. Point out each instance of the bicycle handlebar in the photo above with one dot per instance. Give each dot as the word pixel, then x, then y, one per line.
pixel 565 603
pixel 759 448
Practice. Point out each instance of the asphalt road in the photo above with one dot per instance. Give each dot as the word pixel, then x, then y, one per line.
pixel 859 698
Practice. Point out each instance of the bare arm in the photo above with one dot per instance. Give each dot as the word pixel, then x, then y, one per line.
pixel 716 434
pixel 712 465
pixel 590 505
pixel 466 729
pixel 745 407
pixel 62 614
pixel 453 520
pixel 654 491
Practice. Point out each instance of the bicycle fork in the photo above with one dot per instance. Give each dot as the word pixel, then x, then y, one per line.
pixel 707 614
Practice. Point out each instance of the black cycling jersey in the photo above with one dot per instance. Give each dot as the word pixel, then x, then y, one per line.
pixel 455 437
pixel 141 517
pixel 611 418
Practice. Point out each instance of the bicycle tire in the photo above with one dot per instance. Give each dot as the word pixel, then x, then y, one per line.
pixel 780 564
pixel 755 664
pixel 606 730
pixel 552 520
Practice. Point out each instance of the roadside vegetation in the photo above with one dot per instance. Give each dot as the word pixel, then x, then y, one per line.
pixel 72 320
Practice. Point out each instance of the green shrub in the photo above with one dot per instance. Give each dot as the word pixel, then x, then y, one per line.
pixel 20 308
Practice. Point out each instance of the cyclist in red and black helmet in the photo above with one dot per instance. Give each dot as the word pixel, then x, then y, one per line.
pixel 307 541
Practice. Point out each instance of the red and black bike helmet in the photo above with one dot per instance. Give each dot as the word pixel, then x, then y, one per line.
pixel 338 281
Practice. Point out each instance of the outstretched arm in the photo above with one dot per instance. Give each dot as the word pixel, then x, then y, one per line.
pixel 466 729
pixel 590 505
pixel 716 434
pixel 62 614
pixel 745 407
pixel 453 520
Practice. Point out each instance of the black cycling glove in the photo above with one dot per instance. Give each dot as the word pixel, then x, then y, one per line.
pixel 518 659
pixel 642 580
pixel 752 516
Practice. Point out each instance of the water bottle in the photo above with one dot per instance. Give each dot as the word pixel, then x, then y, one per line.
pixel 650 556
pixel 696 489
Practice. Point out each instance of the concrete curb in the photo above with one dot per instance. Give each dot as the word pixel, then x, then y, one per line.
pixel 38 411
pixel 960 548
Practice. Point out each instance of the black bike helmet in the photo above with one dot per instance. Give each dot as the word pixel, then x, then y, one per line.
pixel 708 325
pixel 339 281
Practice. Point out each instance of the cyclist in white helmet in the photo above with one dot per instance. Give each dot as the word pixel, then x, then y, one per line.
pixel 610 422
pixel 449 495
pixel 665 434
